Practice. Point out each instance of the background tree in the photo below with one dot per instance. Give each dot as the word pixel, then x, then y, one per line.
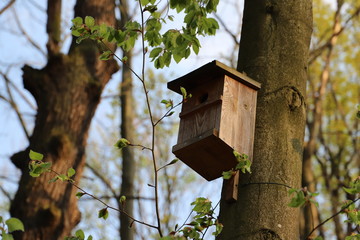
pixel 67 91
pixel 274 50
pixel 331 151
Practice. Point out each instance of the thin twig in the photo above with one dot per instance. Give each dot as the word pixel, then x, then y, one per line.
pixel 139 145
pixel 102 178
pixel 166 113
pixel 7 6
pixel 6 193
pixel 104 203
pixel 234 37
pixel 152 122
pixel 31 41
pixel 15 107
pixel 31 105
pixel 334 215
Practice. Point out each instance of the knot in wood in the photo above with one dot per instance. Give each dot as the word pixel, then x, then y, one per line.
pixel 294 98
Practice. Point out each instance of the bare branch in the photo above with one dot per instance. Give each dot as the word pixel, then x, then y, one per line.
pixel 6 193
pixel 36 5
pixel 31 41
pixel 315 53
pixel 234 37
pixel 7 6
pixel 27 100
pixel 15 106
pixel 102 178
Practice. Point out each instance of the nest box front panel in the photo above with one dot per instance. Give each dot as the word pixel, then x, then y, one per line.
pixel 238 112
pixel 201 112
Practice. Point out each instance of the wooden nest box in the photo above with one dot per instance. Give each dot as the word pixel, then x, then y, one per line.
pixel 217 119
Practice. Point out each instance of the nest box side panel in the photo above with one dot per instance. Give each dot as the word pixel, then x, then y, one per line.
pixel 201 112
pixel 237 125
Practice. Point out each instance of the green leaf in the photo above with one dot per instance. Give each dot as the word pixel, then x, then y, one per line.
pixel 53 179
pixel 77 21
pixel 164 101
pixel 173 161
pixel 195 48
pixel 76 32
pixel 103 213
pixel 123 142
pixel 354 187
pixel 124 59
pixel 227 174
pixel 89 21
pixel 144 2
pixel 167 58
pixel 183 92
pixel 71 172
pixel 6 236
pixel 159 62
pixel 36 169
pixel 201 205
pixel 170 114
pixel 298 200
pixel 353 237
pixel 106 55
pixel 35 155
pixel 80 234
pixel 155 52
pixel 79 195
pixel 90 237
pixel 212 5
pixel 122 199
pixel 318 238
pixel 177 57
pixel 14 224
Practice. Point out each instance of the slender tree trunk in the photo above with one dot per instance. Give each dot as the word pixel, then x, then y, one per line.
pixel 127 131
pixel 67 91
pixel 314 121
pixel 274 51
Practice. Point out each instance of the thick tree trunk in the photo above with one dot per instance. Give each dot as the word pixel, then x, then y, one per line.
pixel 67 91
pixel 274 51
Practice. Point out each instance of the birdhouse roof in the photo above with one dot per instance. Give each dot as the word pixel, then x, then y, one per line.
pixel 208 72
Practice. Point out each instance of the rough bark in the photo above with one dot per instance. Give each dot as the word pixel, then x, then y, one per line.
pixel 127 131
pixel 67 91
pixel 274 51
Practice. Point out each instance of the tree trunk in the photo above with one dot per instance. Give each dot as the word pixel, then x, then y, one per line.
pixel 127 131
pixel 314 122
pixel 274 51
pixel 67 91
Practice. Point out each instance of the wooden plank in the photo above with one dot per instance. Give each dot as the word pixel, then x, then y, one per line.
pixel 207 154
pixel 231 188
pixel 208 72
pixel 237 125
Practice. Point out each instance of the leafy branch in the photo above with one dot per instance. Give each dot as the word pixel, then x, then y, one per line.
pixel 37 167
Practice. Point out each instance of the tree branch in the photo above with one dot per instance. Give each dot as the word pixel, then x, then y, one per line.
pixel 7 6
pixel 31 41
pixel 15 106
